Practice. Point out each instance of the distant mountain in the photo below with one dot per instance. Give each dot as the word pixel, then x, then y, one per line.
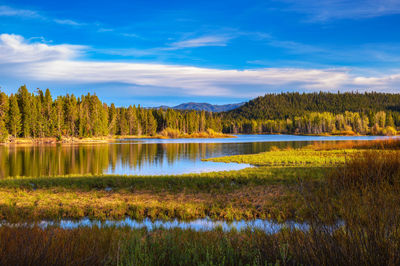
pixel 205 107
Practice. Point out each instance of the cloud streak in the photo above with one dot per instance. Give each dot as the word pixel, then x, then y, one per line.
pixel 68 22
pixel 201 42
pixel 344 9
pixel 7 11
pixel 64 64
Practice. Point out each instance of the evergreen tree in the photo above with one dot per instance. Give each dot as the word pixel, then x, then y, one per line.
pixel 25 106
pixel 14 121
pixel 3 131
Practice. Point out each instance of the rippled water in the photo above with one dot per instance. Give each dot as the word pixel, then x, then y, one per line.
pixel 143 156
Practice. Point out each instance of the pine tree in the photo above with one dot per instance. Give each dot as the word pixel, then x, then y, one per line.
pixel 25 106
pixel 3 131
pixel 4 107
pixel 151 124
pixel 132 120
pixel 14 122
pixel 112 120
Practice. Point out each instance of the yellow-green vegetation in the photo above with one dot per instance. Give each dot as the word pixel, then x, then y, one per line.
pixel 170 133
pixel 293 157
pixel 352 208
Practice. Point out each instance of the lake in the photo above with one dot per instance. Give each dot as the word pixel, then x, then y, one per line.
pixel 144 156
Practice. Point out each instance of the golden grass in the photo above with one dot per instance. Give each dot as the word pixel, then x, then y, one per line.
pixel 57 203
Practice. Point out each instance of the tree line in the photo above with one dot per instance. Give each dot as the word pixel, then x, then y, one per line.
pixel 379 123
pixel 36 115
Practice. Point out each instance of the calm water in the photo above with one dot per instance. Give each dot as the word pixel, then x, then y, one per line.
pixel 196 225
pixel 143 156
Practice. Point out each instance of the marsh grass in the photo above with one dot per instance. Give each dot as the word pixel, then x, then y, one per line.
pixel 293 157
pixel 218 181
pixel 362 197
pixel 112 246
pixel 260 192
pixel 353 212
pixel 382 144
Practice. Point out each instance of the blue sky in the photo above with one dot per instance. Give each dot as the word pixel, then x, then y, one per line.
pixel 167 52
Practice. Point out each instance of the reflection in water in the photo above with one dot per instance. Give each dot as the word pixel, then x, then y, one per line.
pixel 140 157
pixel 197 225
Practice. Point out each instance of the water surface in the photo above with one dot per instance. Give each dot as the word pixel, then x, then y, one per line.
pixel 204 224
pixel 144 156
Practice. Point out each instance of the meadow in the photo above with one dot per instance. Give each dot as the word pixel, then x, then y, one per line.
pixel 347 193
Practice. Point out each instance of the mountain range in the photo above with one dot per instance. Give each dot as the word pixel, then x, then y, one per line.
pixel 205 107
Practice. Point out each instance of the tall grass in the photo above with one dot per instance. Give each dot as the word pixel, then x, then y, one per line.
pixel 361 198
pixel 111 246
pixel 382 144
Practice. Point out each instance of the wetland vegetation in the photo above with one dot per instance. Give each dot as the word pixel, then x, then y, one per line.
pixel 350 204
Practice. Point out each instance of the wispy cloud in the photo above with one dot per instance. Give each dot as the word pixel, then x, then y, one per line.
pixel 324 54
pixel 8 11
pixel 105 30
pixel 344 9
pixel 64 64
pixel 212 40
pixel 68 22
pixel 32 14
pixel 131 35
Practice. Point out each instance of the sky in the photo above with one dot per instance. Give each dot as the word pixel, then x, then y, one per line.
pixel 168 52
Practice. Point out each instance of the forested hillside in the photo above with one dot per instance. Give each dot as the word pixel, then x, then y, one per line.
pixel 27 114
pixel 289 105
pixel 317 113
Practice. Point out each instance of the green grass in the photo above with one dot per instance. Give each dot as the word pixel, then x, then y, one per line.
pixel 205 182
pixel 290 157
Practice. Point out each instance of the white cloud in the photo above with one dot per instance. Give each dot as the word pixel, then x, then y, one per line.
pixel 201 41
pixel 15 49
pixel 62 64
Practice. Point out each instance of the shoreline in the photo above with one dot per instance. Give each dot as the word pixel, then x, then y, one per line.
pixel 105 139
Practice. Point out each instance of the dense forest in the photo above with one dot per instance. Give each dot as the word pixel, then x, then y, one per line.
pixel 289 105
pixel 34 115
pixel 317 113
